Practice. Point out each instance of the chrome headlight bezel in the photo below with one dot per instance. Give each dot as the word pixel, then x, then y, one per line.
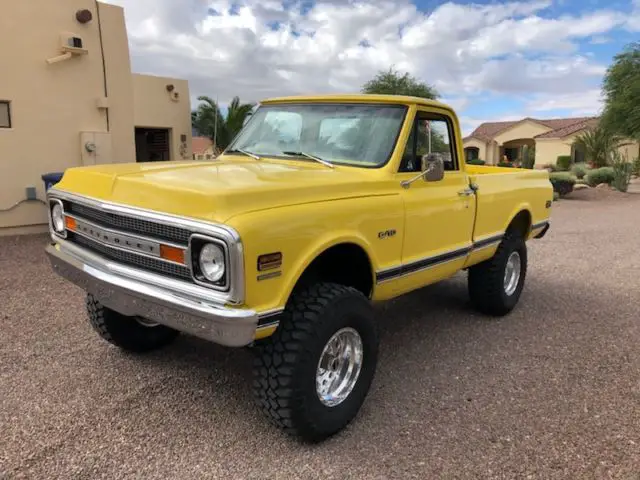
pixel 196 243
pixel 53 203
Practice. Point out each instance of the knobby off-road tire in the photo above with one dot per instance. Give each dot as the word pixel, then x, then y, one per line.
pixel 286 364
pixel 126 332
pixel 488 288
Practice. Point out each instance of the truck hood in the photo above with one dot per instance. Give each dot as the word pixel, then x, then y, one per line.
pixel 217 190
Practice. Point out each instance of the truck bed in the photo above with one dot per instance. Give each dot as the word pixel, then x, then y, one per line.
pixel 503 192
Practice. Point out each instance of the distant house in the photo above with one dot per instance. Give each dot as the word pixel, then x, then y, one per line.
pixel 202 148
pixel 495 141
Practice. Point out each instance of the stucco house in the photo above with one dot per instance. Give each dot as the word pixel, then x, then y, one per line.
pixel 67 93
pixel 492 141
pixel 202 148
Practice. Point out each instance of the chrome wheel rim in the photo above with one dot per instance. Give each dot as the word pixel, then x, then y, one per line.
pixel 146 323
pixel 512 273
pixel 339 367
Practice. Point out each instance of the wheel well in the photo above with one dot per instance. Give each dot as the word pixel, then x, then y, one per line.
pixel 347 264
pixel 521 223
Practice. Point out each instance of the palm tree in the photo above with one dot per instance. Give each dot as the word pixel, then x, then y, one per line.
pixel 598 145
pixel 209 121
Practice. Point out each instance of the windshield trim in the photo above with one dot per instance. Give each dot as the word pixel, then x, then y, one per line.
pixel 334 162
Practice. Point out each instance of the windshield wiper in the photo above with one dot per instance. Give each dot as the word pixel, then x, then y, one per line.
pixel 312 157
pixel 245 152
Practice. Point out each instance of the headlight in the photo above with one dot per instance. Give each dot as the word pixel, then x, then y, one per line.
pixel 57 218
pixel 211 262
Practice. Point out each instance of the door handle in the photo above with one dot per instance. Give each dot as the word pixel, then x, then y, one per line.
pixel 467 192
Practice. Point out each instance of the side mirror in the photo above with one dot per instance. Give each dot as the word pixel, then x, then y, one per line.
pixel 433 167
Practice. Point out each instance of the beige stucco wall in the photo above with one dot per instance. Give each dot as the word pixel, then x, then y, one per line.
pixel 521 130
pixel 630 150
pixel 479 144
pixel 56 107
pixel 155 107
pixel 548 150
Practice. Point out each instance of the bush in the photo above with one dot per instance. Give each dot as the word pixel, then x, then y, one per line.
pixel 556 196
pixel 563 162
pixel 600 175
pixel 505 164
pixel 475 161
pixel 530 161
pixel 635 169
pixel 579 170
pixel 562 182
pixel 621 172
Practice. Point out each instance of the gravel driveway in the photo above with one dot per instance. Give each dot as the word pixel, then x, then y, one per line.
pixel 551 391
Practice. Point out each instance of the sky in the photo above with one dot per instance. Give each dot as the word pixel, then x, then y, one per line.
pixel 490 60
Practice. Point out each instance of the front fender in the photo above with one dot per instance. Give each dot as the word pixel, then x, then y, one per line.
pixel 302 232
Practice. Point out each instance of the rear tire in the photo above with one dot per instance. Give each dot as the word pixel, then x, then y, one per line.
pixel 493 287
pixel 128 333
pixel 289 384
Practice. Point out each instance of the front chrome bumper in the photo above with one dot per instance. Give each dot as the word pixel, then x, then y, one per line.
pixel 135 293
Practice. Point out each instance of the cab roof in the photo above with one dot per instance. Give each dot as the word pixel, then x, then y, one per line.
pixel 360 98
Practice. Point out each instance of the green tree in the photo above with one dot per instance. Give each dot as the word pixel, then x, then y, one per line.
pixel 598 144
pixel 208 120
pixel 394 83
pixel 621 90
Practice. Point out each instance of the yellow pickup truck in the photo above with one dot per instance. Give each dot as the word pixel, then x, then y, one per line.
pixel 320 206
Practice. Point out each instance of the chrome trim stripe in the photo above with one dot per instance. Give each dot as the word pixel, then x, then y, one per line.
pixel 422 264
pixel 236 274
pixel 487 241
pixel 539 225
pixel 433 261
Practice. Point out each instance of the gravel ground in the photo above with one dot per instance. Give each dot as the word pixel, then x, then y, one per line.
pixel 551 391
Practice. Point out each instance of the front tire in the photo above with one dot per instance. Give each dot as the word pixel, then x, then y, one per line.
pixel 312 376
pixel 495 285
pixel 128 333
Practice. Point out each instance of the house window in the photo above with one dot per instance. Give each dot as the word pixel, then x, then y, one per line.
pixel 5 114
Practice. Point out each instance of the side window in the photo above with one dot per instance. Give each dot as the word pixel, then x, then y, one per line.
pixel 430 134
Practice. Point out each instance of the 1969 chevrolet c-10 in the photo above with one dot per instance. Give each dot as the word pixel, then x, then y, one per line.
pixel 320 206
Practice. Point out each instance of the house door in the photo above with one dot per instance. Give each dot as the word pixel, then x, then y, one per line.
pixel 152 144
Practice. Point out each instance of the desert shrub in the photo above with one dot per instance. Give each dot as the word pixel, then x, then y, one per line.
pixel 563 162
pixel 579 170
pixel 562 182
pixel 475 161
pixel 530 161
pixel 635 169
pixel 621 172
pixel 600 175
pixel 505 164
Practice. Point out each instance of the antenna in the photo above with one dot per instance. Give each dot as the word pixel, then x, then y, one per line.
pixel 215 125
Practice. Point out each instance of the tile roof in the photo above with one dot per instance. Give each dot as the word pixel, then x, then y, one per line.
pixel 571 128
pixel 200 145
pixel 488 130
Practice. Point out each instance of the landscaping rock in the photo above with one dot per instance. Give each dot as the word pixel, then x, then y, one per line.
pixel 603 186
pixel 580 186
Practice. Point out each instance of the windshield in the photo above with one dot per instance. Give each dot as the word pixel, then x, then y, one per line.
pixel 349 134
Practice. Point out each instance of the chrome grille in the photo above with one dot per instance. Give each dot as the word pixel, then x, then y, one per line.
pixel 129 224
pixel 132 259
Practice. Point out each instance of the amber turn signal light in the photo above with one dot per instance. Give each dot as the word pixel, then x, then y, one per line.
pixel 70 223
pixel 173 254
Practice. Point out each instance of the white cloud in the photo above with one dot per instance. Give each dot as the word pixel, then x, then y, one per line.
pixel 264 49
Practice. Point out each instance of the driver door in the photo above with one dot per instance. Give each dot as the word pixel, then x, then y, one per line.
pixel 439 215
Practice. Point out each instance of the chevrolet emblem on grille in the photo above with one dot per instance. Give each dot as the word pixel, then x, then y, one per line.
pixel 117 239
